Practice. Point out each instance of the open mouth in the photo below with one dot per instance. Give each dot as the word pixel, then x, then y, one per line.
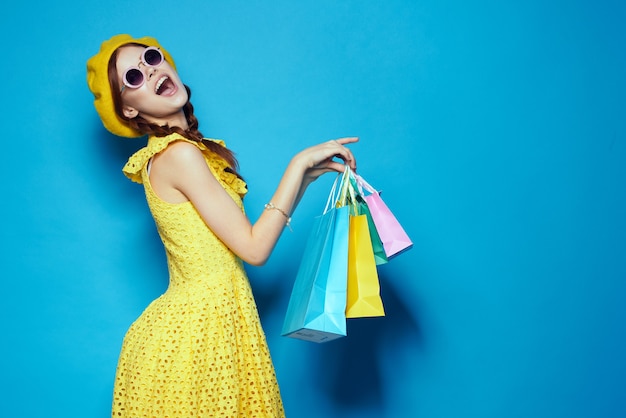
pixel 165 86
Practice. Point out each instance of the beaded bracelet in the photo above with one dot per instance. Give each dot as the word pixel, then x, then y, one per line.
pixel 270 206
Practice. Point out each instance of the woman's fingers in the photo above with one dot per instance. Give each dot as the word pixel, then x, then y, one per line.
pixel 321 158
pixel 346 153
pixel 347 140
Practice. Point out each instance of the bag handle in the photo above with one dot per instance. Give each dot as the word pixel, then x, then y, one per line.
pixel 334 197
pixel 352 194
pixel 349 191
pixel 362 184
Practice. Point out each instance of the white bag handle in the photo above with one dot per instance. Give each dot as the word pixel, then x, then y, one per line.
pixel 362 184
pixel 335 192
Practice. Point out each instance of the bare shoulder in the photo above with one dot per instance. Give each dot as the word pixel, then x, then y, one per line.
pixel 182 153
pixel 183 167
pixel 180 173
pixel 179 156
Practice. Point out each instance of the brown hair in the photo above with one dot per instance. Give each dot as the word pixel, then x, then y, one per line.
pixel 141 125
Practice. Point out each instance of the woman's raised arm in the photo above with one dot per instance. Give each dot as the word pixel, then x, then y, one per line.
pixel 181 169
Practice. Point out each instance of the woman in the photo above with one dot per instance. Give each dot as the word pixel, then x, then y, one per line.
pixel 197 350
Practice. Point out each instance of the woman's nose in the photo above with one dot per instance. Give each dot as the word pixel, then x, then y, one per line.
pixel 149 71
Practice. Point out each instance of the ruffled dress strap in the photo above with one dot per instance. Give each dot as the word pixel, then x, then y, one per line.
pixel 136 163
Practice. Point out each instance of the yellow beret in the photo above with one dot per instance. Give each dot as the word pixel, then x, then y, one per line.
pixel 98 81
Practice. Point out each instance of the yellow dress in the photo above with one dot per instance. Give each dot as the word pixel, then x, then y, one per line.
pixel 198 350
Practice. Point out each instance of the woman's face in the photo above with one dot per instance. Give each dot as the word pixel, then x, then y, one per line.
pixel 161 97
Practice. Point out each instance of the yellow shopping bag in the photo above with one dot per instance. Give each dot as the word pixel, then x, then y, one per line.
pixel 363 287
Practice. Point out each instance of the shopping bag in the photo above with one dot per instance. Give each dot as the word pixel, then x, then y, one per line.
pixel 361 208
pixel 363 286
pixel 380 255
pixel 395 239
pixel 316 310
pixel 351 193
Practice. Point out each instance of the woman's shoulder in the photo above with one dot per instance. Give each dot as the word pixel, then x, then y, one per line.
pixel 155 146
pixel 182 153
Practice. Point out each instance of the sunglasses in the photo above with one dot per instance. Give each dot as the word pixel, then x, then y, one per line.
pixel 133 77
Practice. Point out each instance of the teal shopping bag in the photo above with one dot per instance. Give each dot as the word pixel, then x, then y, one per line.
pixel 317 307
pixel 380 257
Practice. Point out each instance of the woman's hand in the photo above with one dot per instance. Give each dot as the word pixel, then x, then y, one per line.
pixel 320 159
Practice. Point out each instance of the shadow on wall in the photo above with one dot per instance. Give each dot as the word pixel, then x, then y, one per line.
pixel 125 201
pixel 109 154
pixel 113 151
pixel 348 369
pixel 350 365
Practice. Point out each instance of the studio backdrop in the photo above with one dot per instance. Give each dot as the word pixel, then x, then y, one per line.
pixel 495 130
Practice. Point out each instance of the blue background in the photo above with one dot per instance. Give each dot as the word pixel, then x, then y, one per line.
pixel 496 130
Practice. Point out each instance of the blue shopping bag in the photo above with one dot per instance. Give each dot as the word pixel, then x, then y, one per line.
pixel 317 307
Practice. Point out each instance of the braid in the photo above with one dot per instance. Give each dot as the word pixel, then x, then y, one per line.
pixel 141 125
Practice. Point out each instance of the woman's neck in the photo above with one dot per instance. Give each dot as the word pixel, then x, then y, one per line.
pixel 178 119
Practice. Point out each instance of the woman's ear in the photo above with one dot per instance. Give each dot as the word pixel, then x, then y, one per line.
pixel 130 112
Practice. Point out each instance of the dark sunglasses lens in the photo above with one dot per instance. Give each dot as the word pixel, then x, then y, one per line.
pixel 134 77
pixel 153 57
